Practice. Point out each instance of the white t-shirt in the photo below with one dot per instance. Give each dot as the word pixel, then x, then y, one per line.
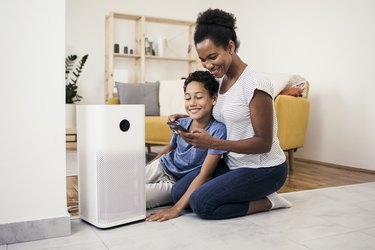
pixel 232 109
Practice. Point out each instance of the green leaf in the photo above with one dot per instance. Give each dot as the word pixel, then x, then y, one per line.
pixel 73 70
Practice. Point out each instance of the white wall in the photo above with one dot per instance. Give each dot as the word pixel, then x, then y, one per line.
pixel 331 43
pixel 32 162
pixel 85 34
pixel 328 42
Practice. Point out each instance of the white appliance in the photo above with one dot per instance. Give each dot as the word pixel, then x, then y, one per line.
pixel 111 162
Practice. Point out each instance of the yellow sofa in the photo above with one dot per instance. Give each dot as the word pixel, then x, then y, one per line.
pixel 292 117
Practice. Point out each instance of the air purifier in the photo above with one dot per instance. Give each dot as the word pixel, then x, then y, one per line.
pixel 111 163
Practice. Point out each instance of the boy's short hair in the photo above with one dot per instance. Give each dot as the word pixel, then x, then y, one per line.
pixel 206 78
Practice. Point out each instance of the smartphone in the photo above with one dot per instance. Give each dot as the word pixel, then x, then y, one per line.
pixel 176 126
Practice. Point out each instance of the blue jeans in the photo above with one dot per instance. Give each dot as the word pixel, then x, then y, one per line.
pixel 229 193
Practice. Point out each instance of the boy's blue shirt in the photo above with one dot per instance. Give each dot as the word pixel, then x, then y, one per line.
pixel 185 158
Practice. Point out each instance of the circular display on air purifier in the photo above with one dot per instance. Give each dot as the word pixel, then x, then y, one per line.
pixel 124 125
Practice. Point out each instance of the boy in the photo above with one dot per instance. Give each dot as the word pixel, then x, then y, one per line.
pixel 180 158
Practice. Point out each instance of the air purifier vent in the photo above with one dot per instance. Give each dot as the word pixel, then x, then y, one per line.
pixel 117 191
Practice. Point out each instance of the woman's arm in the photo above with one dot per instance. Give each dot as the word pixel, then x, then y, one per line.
pixel 261 110
pixel 205 175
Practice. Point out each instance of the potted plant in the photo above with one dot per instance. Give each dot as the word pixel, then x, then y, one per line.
pixel 73 69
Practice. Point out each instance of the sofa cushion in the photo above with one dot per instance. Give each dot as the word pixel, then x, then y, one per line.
pixel 140 93
pixel 293 91
pixel 157 130
pixel 278 80
pixel 171 97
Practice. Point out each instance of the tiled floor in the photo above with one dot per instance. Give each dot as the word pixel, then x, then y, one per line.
pixel 330 218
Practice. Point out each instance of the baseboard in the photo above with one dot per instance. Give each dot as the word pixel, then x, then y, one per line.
pixel 364 170
pixel 34 230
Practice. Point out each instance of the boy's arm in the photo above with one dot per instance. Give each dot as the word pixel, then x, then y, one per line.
pixel 164 151
pixel 207 170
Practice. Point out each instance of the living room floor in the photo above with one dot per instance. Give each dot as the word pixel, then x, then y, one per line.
pixel 327 218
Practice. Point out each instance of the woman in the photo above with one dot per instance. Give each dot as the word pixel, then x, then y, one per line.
pixel 246 180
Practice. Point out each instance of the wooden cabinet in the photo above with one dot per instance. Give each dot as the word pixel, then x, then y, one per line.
pixel 71 138
pixel 139 46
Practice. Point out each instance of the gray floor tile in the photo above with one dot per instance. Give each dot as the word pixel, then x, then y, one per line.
pixel 253 240
pixel 84 246
pixel 350 194
pixel 367 205
pixel 369 231
pixel 162 240
pixel 356 220
pixel 329 218
pixel 348 241
pixel 136 229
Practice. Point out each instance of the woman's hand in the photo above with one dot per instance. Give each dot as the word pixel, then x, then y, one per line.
pixel 163 215
pixel 199 138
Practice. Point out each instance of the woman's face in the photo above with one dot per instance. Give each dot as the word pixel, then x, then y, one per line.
pixel 214 58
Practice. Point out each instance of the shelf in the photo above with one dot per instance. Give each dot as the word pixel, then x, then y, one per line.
pixel 117 55
pixel 127 55
pixel 153 19
pixel 126 16
pixel 170 58
pixel 169 21
pixel 139 35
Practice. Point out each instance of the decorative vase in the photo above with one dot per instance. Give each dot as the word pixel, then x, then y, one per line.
pixel 161 45
pixel 70 115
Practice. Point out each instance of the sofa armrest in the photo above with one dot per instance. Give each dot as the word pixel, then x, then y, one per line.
pixel 292 117
pixel 113 100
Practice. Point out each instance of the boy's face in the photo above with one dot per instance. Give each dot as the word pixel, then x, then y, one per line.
pixel 198 102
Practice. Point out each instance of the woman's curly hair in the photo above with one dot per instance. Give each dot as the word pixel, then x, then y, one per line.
pixel 217 25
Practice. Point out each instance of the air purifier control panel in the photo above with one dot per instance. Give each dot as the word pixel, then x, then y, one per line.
pixel 124 125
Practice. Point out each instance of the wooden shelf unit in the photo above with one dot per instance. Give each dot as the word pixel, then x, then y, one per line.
pixel 139 55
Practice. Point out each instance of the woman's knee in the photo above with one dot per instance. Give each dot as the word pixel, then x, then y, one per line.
pixel 200 205
pixel 195 203
pixel 284 175
pixel 182 185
